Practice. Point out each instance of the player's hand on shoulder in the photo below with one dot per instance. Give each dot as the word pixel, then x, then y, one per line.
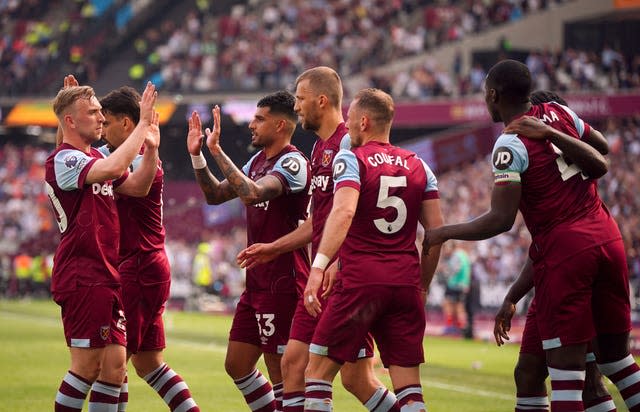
pixel 528 126
pixel 195 135
pixel 213 135
pixel 502 322
pixel 149 97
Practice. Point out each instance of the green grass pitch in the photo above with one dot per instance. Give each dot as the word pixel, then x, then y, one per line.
pixel 459 375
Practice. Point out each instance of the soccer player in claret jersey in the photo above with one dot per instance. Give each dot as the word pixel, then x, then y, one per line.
pixel 274 185
pixel 80 183
pixel 143 264
pixel 319 108
pixel 381 193
pixel 579 265
pixel 531 371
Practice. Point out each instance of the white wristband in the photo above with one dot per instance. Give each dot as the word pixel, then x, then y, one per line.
pixel 321 261
pixel 198 162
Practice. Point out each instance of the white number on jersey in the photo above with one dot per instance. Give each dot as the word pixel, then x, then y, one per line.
pixel 61 216
pixel 268 328
pixel 567 171
pixel 384 201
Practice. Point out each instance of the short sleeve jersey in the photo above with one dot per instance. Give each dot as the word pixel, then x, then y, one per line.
pixel 380 245
pixel 322 156
pixel 140 217
pixel 88 220
pixel 269 220
pixel 555 192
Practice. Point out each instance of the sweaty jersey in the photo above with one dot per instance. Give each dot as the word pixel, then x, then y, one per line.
pixel 322 156
pixel 140 217
pixel 380 245
pixel 556 195
pixel 88 220
pixel 269 220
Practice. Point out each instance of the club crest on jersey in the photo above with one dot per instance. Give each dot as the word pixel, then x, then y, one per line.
pixel 502 158
pixel 327 156
pixel 105 332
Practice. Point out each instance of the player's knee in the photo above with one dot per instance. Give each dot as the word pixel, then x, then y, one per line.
pixel 358 385
pixel 292 366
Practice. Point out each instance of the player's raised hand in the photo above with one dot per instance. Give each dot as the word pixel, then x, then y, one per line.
pixel 310 296
pixel 502 322
pixel 528 126
pixel 149 97
pixel 256 254
pixel 152 140
pixel 213 135
pixel 70 81
pixel 195 135
pixel 330 275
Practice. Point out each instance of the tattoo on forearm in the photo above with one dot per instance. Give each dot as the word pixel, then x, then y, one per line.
pixel 213 191
pixel 243 186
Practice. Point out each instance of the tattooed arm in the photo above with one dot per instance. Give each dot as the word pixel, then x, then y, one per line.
pixel 250 192
pixel 215 192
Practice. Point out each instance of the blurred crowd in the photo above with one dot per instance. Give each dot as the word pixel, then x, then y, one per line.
pixel 569 70
pixel 40 41
pixel 255 45
pixel 265 44
pixel 205 266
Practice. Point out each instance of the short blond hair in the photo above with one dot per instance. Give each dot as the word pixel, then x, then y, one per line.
pixel 324 80
pixel 68 96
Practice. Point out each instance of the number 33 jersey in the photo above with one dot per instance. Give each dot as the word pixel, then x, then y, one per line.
pixel 380 245
pixel 556 195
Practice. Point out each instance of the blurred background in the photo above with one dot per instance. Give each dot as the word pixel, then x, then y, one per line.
pixel 432 56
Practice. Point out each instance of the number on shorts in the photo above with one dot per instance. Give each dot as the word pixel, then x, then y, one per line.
pixel 385 201
pixel 121 319
pixel 268 328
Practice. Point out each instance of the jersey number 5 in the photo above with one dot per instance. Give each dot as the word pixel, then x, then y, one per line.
pixel 385 201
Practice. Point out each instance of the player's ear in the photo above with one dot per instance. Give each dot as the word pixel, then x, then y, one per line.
pixel 323 100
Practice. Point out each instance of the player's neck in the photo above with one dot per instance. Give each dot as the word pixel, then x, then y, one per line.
pixel 329 124
pixel 76 141
pixel 275 148
pixel 512 112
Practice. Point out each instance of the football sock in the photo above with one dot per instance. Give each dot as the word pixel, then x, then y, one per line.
pixel 72 393
pixel 532 402
pixel 566 390
pixel 173 390
pixel 124 395
pixel 382 400
pixel 104 397
pixel 601 404
pixel 277 393
pixel 625 374
pixel 293 402
pixel 257 392
pixel 410 398
pixel 318 394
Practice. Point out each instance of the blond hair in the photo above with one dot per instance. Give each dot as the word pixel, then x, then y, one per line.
pixel 324 80
pixel 68 96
